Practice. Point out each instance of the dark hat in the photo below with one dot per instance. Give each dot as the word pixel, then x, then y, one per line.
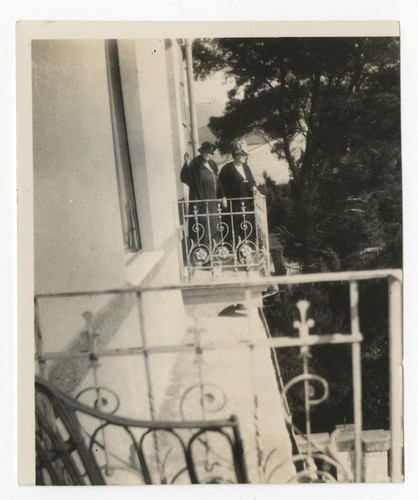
pixel 207 146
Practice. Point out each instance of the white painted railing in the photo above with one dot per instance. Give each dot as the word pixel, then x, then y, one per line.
pixel 93 354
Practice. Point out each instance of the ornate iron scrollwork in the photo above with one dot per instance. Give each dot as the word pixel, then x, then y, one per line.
pixel 105 400
pixel 208 397
pixel 316 461
pixel 237 239
pixel 70 447
pixel 223 251
pixel 199 251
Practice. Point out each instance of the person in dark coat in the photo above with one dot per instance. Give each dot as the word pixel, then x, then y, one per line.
pixel 205 193
pixel 237 182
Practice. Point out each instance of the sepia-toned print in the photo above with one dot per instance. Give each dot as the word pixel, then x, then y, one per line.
pixel 217 228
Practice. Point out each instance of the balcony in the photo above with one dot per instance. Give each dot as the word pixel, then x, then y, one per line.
pixel 211 405
pixel 224 243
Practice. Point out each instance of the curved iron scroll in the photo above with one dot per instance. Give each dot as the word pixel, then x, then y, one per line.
pixel 226 237
pixel 315 461
pixel 69 454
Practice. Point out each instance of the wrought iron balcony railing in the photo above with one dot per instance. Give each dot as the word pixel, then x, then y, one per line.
pixel 225 240
pixel 315 459
pixel 67 455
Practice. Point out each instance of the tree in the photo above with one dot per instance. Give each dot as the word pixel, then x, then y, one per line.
pixel 340 98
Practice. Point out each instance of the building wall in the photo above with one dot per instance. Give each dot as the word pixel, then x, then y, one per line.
pixel 180 122
pixel 151 111
pixel 78 231
pixel 79 242
pixel 78 234
pixel 147 108
pixel 77 227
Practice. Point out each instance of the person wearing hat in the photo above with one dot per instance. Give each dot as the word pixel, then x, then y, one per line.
pixel 201 175
pixel 237 182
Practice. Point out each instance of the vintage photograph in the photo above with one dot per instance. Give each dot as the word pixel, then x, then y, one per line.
pixel 217 255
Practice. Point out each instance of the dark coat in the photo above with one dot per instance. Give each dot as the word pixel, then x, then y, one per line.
pixel 233 184
pixel 202 183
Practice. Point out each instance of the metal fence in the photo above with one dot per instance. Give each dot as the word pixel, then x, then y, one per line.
pixel 310 456
pixel 222 239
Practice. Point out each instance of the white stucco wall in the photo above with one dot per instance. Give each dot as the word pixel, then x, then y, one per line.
pixel 150 105
pixel 77 227
pixel 78 235
pixel 181 133
pixel 147 108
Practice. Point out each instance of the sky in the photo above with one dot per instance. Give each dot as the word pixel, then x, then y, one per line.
pixel 260 160
pixel 214 87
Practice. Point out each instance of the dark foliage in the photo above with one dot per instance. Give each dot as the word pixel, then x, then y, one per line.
pixel 339 97
pixel 331 108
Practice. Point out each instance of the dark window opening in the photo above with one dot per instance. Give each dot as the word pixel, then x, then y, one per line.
pixel 128 208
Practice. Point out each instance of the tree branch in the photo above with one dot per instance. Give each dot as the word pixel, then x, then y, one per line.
pixel 286 142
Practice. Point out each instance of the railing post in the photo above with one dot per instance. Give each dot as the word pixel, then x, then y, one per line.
pixel 356 363
pixel 395 390
pixel 234 243
pixel 39 343
pixel 148 378
pixel 184 240
pixel 260 205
